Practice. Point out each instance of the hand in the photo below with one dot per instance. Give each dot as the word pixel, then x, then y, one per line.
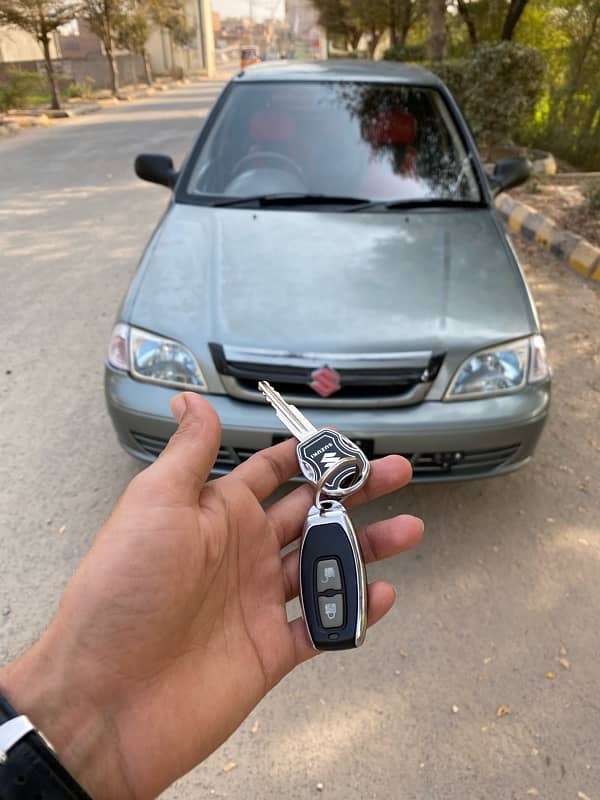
pixel 174 626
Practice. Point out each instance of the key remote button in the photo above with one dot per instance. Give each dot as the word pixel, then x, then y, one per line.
pixel 331 610
pixel 328 575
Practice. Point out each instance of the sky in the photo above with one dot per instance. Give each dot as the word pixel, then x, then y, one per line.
pixel 240 8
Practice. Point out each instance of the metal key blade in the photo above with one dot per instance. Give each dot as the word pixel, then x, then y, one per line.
pixel 294 420
pixel 318 448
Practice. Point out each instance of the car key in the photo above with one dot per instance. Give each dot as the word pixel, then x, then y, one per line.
pixel 319 450
pixel 333 584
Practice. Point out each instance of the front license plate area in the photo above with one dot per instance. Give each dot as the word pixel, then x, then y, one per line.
pixel 366 445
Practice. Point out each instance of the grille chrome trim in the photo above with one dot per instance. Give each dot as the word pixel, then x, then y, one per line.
pixel 368 380
pixel 418 358
pixel 413 396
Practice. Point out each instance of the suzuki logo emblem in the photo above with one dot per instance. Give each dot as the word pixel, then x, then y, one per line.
pixel 325 381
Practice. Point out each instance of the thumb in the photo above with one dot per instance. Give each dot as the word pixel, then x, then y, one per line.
pixel 188 458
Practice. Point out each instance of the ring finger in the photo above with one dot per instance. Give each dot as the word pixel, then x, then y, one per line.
pixel 377 541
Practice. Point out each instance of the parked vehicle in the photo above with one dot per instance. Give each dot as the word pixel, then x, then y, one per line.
pixel 249 56
pixel 333 232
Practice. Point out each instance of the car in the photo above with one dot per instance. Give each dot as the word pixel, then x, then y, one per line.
pixel 248 56
pixel 333 231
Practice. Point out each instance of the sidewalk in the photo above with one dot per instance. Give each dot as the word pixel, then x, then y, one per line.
pixel 15 121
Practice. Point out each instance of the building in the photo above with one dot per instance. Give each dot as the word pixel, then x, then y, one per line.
pixel 76 40
pixel 198 56
pixel 17 45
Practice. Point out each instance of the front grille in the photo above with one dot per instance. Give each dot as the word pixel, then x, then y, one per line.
pixel 425 465
pixel 376 385
pixel 150 444
pixel 466 462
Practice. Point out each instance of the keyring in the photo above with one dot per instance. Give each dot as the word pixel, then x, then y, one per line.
pixel 336 494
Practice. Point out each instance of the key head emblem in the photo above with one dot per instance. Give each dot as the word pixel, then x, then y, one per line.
pixel 325 381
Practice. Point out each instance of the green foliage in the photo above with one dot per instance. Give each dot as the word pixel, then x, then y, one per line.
pixel 133 28
pixel 497 88
pixel 84 88
pixel 456 74
pixel 346 21
pixel 591 192
pixel 406 52
pixel 22 90
pixel 567 121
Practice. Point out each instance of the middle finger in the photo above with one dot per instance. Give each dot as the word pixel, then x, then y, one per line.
pixel 377 541
pixel 287 515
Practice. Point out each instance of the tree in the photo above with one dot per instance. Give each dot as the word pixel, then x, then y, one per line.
pixel 437 29
pixel 513 15
pixel 334 16
pixel 133 29
pixel 349 20
pixel 39 18
pixel 104 18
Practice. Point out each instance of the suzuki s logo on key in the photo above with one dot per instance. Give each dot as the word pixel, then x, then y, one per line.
pixel 330 459
pixel 325 381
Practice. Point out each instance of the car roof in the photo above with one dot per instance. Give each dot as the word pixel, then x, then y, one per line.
pixel 339 70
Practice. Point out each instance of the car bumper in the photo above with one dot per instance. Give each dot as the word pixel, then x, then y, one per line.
pixel 445 441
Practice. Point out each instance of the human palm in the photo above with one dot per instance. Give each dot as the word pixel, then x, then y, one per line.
pixel 175 624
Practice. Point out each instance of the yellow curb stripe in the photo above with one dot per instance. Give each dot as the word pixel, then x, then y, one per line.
pixel 518 215
pixel 546 234
pixel 583 258
pixel 595 276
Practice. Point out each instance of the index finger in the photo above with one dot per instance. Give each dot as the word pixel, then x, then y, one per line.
pixel 267 470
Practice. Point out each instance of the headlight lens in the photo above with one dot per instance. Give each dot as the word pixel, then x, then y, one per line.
pixel 498 370
pixel 539 368
pixel 154 358
pixel 118 348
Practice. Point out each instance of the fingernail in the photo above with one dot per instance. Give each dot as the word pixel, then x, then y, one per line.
pixel 178 406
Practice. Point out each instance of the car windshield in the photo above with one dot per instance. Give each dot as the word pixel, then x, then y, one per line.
pixel 373 142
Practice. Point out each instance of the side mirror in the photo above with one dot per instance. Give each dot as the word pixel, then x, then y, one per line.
pixel 156 169
pixel 509 172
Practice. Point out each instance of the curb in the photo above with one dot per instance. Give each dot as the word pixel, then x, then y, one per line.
pixel 544 166
pixel 573 250
pixel 15 123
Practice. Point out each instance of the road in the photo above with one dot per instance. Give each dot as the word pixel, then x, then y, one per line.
pixel 504 584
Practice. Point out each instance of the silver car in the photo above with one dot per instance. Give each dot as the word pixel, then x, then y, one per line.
pixel 333 232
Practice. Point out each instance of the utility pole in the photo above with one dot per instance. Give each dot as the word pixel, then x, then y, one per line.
pixel 206 37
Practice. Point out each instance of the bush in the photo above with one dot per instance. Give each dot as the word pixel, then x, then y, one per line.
pixel 84 88
pixel 21 88
pixel 591 192
pixel 498 88
pixel 406 53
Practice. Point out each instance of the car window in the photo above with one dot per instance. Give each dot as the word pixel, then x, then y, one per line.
pixel 373 141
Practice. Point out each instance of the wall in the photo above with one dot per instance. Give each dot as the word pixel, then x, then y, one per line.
pixel 76 70
pixel 17 45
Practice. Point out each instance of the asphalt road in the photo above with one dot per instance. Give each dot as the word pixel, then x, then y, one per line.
pixel 504 584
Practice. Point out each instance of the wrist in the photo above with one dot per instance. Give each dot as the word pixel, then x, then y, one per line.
pixel 85 739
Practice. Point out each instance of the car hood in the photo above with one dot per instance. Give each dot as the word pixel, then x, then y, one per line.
pixel 325 282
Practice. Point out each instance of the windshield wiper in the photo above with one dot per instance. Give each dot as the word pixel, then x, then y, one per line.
pixel 423 202
pixel 291 199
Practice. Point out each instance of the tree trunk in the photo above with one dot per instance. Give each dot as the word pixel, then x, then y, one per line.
pixel 54 96
pixel 463 10
pixel 407 21
pixel 373 42
pixel 513 15
pixel 437 29
pixel 114 70
pixel 147 68
pixel 393 22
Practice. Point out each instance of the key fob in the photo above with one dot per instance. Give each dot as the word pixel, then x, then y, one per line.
pixel 333 583
pixel 320 452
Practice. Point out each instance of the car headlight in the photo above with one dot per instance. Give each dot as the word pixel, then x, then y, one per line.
pixel 154 358
pixel 502 369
